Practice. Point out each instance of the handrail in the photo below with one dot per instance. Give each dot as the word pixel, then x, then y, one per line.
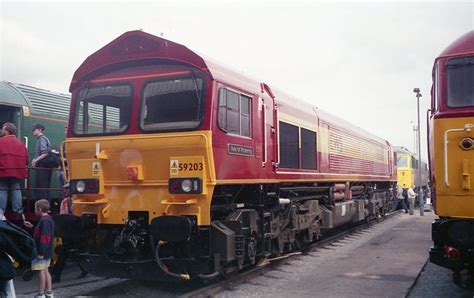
pixel 429 113
pixel 467 128
pixel 27 189
pixel 63 161
pixel 265 156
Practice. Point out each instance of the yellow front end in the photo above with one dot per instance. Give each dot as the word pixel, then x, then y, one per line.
pixel 134 172
pixel 454 167
pixel 405 176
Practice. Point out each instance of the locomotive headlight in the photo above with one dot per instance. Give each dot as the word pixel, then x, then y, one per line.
pixel 467 144
pixel 80 186
pixel 84 186
pixel 187 185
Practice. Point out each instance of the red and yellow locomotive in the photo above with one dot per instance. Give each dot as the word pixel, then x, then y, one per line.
pixel 451 148
pixel 183 168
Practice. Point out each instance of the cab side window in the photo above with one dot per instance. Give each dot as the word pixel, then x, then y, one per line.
pixel 289 145
pixel 436 88
pixel 308 149
pixel 234 113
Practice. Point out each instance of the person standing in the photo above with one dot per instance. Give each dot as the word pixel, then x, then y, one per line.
pixel 13 168
pixel 17 243
pixel 42 174
pixel 401 198
pixel 44 238
pixel 411 194
pixel 63 167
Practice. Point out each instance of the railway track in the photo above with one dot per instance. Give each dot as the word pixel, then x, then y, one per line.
pixel 199 288
pixel 247 275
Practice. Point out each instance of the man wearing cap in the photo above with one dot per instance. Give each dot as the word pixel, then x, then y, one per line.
pixel 13 168
pixel 42 174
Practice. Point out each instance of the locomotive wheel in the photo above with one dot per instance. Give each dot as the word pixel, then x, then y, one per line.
pixel 382 212
pixel 252 251
pixel 368 219
pixel 279 245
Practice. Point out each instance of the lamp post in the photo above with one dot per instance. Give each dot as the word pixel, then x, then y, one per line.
pixel 415 139
pixel 414 136
pixel 420 191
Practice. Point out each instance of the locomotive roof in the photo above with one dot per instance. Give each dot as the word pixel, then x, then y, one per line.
pixel 462 45
pixel 40 101
pixel 401 149
pixel 139 45
pixel 12 96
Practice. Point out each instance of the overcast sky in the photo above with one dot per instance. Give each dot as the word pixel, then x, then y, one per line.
pixel 358 60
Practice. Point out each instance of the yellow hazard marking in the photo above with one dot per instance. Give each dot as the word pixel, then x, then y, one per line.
pixel 26 111
pixel 174 167
pixel 95 168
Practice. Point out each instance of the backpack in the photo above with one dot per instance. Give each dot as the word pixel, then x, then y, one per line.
pixel 53 159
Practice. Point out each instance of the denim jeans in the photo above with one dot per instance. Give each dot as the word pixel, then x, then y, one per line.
pixel 10 188
pixel 401 204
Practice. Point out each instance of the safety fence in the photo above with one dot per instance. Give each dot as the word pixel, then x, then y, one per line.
pixel 41 183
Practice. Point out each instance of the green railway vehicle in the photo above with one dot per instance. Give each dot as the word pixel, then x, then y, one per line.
pixel 24 106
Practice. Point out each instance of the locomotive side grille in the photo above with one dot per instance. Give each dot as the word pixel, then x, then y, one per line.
pixel 348 153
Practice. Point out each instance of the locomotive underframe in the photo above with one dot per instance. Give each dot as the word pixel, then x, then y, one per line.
pixel 453 244
pixel 248 222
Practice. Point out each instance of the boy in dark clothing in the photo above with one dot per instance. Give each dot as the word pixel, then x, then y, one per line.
pixel 67 228
pixel 44 237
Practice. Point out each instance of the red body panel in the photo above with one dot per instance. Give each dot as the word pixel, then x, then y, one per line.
pixel 333 163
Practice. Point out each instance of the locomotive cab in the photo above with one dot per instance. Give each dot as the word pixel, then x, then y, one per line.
pixel 451 135
pixel 138 148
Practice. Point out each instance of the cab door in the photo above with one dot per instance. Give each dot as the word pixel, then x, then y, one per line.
pixel 268 134
pixel 11 114
pixel 269 117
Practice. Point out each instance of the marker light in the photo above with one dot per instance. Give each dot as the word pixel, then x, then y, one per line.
pixel 84 186
pixel 185 185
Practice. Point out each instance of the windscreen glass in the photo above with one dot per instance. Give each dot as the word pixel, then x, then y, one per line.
pixel 402 161
pixel 103 110
pixel 172 104
pixel 461 82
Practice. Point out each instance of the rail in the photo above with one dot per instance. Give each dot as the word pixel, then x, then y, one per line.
pixel 211 288
pixel 214 289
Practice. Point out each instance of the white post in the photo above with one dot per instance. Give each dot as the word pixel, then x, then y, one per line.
pixel 420 191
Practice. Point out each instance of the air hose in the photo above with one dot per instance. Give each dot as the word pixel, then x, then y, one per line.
pixel 210 276
pixel 184 276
